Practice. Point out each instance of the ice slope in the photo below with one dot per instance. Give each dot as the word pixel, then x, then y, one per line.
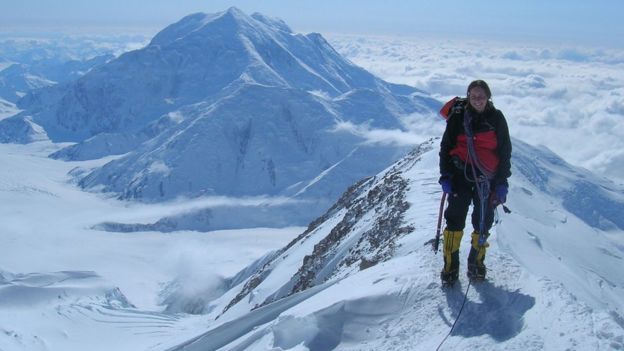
pixel 554 280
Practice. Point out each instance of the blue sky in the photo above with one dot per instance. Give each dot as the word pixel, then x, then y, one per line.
pixel 572 21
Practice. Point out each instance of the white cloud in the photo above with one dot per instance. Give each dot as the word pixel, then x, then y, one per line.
pixel 570 99
pixel 147 213
pixel 419 129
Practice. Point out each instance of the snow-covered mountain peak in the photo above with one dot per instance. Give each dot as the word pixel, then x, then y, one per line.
pixel 272 22
pixel 232 24
pixel 180 29
pixel 231 21
pixel 201 58
pixel 249 121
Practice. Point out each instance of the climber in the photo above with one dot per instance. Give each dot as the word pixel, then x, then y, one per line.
pixel 475 155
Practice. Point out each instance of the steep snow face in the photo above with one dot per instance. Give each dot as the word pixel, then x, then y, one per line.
pixel 258 141
pixel 367 262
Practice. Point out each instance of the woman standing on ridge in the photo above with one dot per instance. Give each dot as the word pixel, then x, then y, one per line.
pixel 475 155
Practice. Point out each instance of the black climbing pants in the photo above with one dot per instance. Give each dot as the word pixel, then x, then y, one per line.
pixel 464 194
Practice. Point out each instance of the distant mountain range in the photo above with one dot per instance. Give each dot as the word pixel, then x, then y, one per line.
pixel 224 104
pixel 20 78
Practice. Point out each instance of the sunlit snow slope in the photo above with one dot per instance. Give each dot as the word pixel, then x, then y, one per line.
pixel 371 283
pixel 361 277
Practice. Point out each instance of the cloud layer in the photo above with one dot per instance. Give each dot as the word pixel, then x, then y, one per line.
pixel 568 99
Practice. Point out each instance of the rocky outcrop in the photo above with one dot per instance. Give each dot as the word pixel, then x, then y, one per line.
pixel 359 231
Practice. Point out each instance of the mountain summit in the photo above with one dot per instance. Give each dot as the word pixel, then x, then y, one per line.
pixel 225 104
pixel 203 57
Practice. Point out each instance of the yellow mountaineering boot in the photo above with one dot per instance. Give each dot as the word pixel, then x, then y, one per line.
pixel 476 257
pixel 452 240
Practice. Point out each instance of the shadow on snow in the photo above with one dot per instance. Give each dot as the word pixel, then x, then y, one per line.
pixel 499 313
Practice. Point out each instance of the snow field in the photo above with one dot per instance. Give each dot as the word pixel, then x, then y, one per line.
pixel 64 286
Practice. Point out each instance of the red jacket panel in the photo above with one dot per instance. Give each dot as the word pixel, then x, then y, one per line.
pixel 485 145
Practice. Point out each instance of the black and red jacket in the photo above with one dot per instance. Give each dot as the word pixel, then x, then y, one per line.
pixel 491 139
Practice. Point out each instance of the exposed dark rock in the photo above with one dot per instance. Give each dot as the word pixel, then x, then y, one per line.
pixel 380 199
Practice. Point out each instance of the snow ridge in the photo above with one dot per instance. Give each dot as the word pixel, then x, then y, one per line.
pixel 367 262
pixel 361 230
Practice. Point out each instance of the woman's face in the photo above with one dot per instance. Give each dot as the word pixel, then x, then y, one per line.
pixel 478 99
